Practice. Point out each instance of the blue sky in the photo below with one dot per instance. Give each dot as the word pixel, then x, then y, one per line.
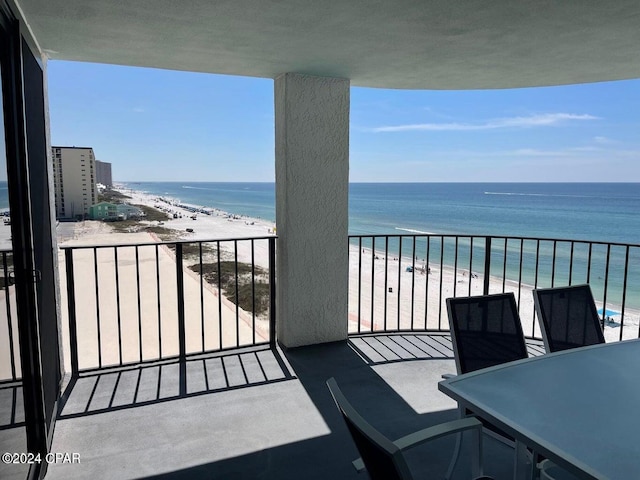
pixel 158 125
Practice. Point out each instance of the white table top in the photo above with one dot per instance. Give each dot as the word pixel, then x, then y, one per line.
pixel 580 408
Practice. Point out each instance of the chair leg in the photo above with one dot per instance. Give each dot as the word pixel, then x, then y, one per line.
pixel 456 450
pixel 522 463
pixel 476 459
pixel 454 458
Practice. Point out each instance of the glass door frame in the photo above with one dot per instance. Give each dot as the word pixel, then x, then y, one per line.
pixel 11 56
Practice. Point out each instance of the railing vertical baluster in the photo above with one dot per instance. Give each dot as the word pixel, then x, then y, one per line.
pixel 182 335
pixel 95 274
pixel 589 262
pixel 253 294
pixel 426 287
pixel 455 267
pixel 373 279
pixel 359 282
pixel 386 280
pixel 235 257
pixel 504 266
pixel 624 289
pixel 139 303
pixel 470 263
pixel 71 308
pixel 272 292
pixel 219 294
pixel 440 295
pixel 487 265
pixel 413 277
pixel 159 303
pixel 202 326
pixel 7 281
pixel 553 264
pixel 115 259
pixel 399 276
pixel 571 263
pixel 535 283
pixel 520 272
pixel 606 284
pixel 520 260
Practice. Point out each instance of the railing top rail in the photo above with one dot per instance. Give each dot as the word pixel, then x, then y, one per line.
pixel 499 237
pixel 170 242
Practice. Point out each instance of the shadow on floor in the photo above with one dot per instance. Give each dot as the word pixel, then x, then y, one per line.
pixel 102 391
pixel 329 456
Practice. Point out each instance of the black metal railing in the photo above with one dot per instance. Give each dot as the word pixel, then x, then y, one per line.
pixel 401 282
pixel 129 304
pixel 10 369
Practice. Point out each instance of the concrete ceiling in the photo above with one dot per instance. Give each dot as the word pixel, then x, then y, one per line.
pixel 412 44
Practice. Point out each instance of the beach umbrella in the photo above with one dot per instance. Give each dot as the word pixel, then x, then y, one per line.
pixel 607 312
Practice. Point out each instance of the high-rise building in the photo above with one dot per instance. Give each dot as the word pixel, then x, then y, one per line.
pixel 103 173
pixel 74 181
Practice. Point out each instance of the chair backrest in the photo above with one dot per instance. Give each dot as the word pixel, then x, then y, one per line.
pixel 485 331
pixel 568 317
pixel 383 460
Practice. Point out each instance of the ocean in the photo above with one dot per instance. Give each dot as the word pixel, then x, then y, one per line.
pixel 583 211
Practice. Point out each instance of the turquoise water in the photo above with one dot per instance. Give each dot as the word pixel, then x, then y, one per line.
pixel 585 211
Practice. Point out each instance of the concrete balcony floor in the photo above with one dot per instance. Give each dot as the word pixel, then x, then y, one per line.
pixel 263 414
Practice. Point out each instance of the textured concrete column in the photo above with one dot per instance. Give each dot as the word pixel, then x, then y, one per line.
pixel 312 188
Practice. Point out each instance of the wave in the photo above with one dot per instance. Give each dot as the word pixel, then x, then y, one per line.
pixel 520 194
pixel 411 230
pixel 564 195
pixel 196 188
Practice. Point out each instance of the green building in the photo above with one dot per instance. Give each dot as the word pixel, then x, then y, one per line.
pixel 103 211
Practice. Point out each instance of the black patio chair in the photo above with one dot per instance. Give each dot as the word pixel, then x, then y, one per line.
pixel 485 331
pixel 568 317
pixel 384 459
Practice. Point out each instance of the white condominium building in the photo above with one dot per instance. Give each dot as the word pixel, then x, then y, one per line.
pixel 74 181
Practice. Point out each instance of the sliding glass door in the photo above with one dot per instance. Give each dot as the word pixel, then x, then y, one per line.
pixel 29 352
pixel 13 434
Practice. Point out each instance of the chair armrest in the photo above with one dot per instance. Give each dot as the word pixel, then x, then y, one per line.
pixel 447 376
pixel 437 431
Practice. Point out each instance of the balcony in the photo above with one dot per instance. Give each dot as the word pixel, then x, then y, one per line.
pixel 174 374
pixel 260 413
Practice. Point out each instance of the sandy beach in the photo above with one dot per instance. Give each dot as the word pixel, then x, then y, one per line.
pixel 137 307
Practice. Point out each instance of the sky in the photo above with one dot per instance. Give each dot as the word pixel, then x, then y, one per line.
pixel 160 125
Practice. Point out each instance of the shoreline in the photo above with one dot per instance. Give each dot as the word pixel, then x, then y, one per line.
pixel 221 225
pixel 632 315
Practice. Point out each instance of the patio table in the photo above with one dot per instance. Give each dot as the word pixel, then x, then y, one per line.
pixel 579 407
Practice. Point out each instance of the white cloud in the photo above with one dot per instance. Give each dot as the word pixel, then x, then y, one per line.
pixel 543 120
pixel 138 109
pixel 565 152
